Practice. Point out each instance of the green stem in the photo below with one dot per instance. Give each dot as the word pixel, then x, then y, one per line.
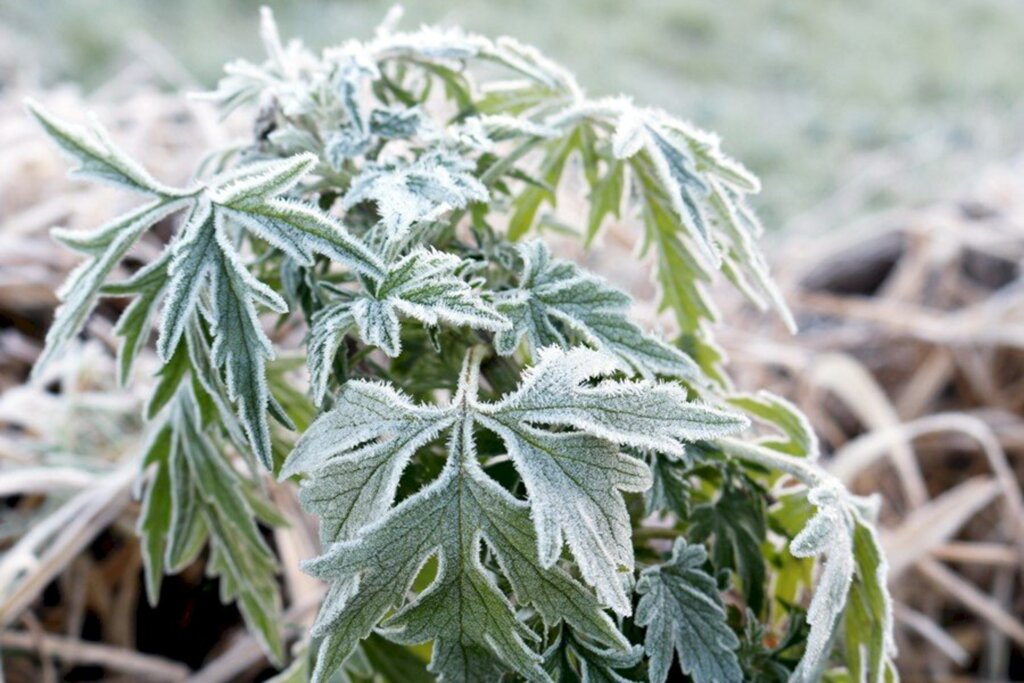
pixel 802 469
pixel 647 533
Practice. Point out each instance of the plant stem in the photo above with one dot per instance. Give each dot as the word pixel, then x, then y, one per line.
pixel 803 469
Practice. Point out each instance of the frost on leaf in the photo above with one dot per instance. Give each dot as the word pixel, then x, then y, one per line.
pixel 574 477
pixel 98 157
pixel 202 269
pixel 853 579
pixel 424 285
pixel 683 613
pixel 196 497
pixel 105 247
pixel 147 285
pixel 575 658
pixel 557 302
pixel 422 190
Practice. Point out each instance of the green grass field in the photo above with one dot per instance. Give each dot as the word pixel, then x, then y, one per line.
pixel 841 106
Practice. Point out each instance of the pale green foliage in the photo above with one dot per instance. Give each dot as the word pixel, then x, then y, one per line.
pixel 196 497
pixel 421 191
pixel 682 610
pixel 572 478
pixel 555 301
pixel 490 507
pixel 423 285
pixel 203 263
pixel 837 531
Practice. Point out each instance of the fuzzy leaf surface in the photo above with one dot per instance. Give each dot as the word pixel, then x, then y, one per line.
pixel 555 298
pixel 424 285
pixel 574 481
pixel 683 612
pixel 425 189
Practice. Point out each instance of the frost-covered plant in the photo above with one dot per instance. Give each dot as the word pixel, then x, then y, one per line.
pixel 502 462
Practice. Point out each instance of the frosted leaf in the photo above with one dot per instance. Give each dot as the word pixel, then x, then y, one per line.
pixel 424 285
pixel 574 478
pixel 355 454
pixel 642 414
pixel 480 133
pixel 555 297
pixel 245 81
pixel 628 137
pixel 192 259
pixel 249 197
pixel 829 533
pixel 147 285
pixel 429 43
pixel 250 185
pixel 683 612
pixel 358 451
pixel 240 346
pixel 197 498
pixel 572 658
pixel 397 122
pixel 347 143
pixel 574 482
pixel 106 247
pixel 422 190
pixel 473 624
pixel 98 157
pixel 530 62
pixel 204 260
pixel 352 68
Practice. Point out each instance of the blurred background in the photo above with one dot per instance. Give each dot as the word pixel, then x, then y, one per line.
pixel 839 105
pixel 890 140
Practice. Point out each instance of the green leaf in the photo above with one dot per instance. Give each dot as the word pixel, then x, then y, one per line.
pixel 797 435
pixel 606 198
pixel 423 190
pixel 169 378
pixel 98 157
pixel 527 203
pixel 556 301
pixel 571 658
pixel 397 664
pixel 248 196
pixel 424 285
pixel 867 627
pixel 356 453
pixel 327 331
pixel 682 611
pixel 192 258
pixel 735 523
pixel 670 489
pixel 829 532
pixel 239 554
pixel 241 347
pixel 155 517
pixel 680 276
pixel 106 247
pixel 147 285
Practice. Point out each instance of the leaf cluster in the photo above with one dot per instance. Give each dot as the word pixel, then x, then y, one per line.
pixel 503 463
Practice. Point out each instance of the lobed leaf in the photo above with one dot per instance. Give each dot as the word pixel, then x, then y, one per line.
pixel 424 285
pixel 98 157
pixel 555 299
pixel 105 247
pixel 683 612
